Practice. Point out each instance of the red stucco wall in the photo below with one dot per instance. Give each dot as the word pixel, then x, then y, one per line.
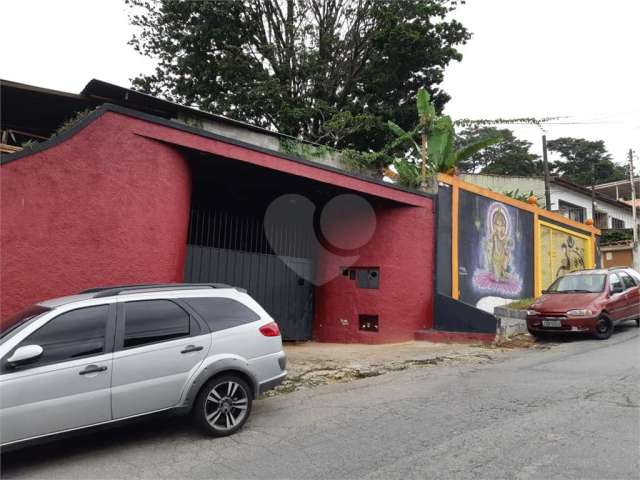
pixel 110 205
pixel 402 246
pixel 104 207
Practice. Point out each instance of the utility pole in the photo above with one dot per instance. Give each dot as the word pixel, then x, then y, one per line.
pixel 545 164
pixel 593 193
pixel 633 198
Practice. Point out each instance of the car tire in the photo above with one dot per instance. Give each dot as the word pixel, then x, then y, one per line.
pixel 223 405
pixel 537 335
pixel 604 328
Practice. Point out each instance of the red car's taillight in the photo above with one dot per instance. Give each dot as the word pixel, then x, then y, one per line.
pixel 270 330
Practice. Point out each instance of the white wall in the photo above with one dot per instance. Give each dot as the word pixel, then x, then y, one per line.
pixel 584 200
pixel 253 137
pixel 502 184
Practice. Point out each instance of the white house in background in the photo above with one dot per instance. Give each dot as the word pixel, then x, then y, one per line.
pixel 620 190
pixel 570 200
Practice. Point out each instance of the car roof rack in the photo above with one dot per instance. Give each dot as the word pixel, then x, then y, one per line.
pixel 110 291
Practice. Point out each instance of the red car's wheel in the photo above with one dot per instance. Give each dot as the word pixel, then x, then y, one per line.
pixel 604 328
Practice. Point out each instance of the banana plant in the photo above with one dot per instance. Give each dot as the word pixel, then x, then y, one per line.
pixel 437 151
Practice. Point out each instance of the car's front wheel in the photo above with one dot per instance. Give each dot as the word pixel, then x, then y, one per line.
pixel 604 328
pixel 537 335
pixel 223 405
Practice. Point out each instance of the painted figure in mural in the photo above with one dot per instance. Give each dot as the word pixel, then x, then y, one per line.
pixel 497 273
pixel 498 246
pixel 572 257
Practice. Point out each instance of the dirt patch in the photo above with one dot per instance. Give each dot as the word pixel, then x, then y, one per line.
pixel 519 341
pixel 312 365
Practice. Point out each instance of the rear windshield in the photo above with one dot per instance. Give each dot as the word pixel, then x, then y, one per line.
pixel 583 283
pixel 221 313
pixel 16 320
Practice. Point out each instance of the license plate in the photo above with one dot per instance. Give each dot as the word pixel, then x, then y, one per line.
pixel 551 323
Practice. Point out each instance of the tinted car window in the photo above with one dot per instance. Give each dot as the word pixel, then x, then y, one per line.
pixel 152 321
pixel 583 283
pixel 75 334
pixel 627 280
pixel 222 313
pixel 615 282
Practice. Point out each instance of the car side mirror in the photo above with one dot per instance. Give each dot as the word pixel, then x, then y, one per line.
pixel 24 354
pixel 544 291
pixel 616 289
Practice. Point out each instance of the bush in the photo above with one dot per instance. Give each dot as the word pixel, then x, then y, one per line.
pixel 522 304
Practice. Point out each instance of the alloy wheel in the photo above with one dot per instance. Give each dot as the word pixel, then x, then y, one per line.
pixel 226 405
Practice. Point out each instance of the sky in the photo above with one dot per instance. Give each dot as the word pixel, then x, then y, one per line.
pixel 548 58
pixel 577 59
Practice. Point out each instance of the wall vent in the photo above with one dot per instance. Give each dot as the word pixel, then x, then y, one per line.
pixel 368 323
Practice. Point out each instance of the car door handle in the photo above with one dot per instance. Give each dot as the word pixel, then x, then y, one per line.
pixel 191 348
pixel 92 369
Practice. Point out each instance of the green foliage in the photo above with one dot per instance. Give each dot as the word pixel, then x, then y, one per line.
pixel 583 160
pixel 522 196
pixel 403 137
pixel 331 72
pixel 74 120
pixel 426 109
pixel 408 172
pixel 370 163
pixel 511 156
pixel 521 304
pixel 29 143
pixel 442 154
pixel 616 235
pixel 304 150
pixel 474 147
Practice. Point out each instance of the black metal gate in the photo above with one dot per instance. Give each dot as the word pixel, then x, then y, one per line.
pixel 232 248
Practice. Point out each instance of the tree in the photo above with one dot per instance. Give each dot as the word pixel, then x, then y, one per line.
pixel 329 71
pixel 509 157
pixel 437 151
pixel 582 159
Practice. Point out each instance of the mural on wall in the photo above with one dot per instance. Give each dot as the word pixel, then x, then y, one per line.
pixel 495 250
pixel 496 272
pixel 561 252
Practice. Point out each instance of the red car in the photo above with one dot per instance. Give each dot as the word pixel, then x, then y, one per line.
pixel 592 301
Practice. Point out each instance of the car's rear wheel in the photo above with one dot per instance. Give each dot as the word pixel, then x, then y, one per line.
pixel 604 328
pixel 223 405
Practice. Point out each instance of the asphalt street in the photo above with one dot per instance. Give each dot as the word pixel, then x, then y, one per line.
pixel 570 411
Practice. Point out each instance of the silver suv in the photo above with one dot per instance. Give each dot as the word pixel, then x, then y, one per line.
pixel 117 353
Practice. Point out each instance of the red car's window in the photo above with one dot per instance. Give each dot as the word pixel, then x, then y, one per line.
pixel 583 283
pixel 627 280
pixel 615 283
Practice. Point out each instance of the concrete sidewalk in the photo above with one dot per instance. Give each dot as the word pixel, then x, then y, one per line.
pixel 311 363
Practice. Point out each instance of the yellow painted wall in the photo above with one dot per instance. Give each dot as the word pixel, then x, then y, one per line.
pixel 562 251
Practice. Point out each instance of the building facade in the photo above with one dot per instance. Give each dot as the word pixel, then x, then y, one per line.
pixel 568 199
pixel 124 196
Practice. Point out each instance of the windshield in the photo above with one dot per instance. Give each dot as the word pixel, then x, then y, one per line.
pixel 583 283
pixel 15 321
